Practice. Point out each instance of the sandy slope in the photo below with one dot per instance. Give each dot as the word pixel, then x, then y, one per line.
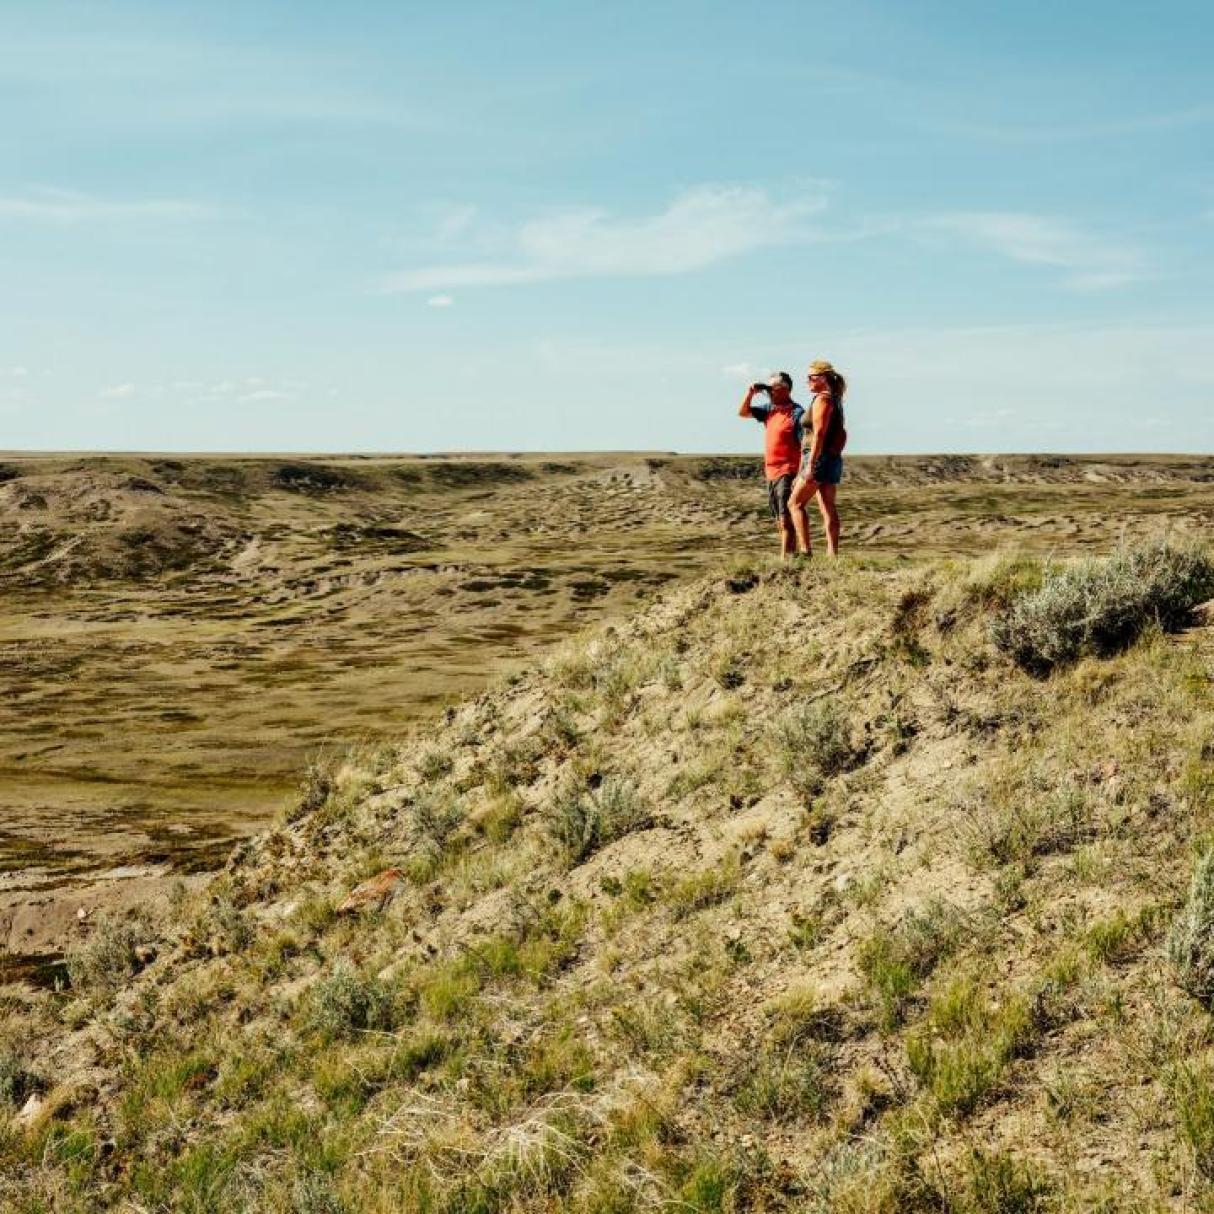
pixel 908 961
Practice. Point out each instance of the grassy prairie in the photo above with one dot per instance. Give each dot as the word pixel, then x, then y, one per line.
pixel 179 636
pixel 864 912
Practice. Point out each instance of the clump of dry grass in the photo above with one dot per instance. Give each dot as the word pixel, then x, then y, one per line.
pixel 999 1183
pixel 787 1083
pixel 315 789
pixel 1101 606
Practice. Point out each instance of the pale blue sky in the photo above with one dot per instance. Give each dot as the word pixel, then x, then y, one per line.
pixel 307 226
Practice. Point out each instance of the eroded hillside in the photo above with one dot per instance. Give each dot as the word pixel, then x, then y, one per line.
pixel 181 634
pixel 790 892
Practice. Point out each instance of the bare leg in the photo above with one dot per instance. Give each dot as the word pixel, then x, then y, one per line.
pixel 800 526
pixel 788 537
pixel 802 492
pixel 830 517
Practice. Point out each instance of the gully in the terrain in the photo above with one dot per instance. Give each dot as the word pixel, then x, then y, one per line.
pixel 821 467
pixel 782 424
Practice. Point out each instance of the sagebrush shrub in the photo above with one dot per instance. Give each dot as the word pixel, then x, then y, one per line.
pixel 224 927
pixel 16 1082
pixel 1191 941
pixel 514 765
pixel 345 1003
pixel 815 742
pixel 434 764
pixel 437 818
pixel 581 821
pixel 1100 607
pixel 107 958
pixel 560 731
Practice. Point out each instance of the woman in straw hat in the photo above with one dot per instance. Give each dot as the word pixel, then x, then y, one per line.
pixel 822 455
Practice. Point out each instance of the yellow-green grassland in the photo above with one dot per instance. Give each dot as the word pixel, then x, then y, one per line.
pixel 577 856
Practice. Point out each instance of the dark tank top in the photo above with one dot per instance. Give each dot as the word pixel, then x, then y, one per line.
pixel 836 430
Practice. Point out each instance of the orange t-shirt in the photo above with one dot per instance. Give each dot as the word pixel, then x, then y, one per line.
pixel 782 434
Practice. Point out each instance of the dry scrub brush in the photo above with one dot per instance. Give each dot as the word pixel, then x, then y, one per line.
pixel 815 742
pixel 1191 943
pixel 1100 607
pixel 582 820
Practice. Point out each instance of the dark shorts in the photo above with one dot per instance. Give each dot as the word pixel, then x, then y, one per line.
pixel 830 469
pixel 778 493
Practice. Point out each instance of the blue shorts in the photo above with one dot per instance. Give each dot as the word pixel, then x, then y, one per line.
pixel 830 469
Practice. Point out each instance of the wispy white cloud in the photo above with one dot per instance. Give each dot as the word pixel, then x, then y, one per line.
pixel 252 389
pixel 249 390
pixel 261 395
pixel 18 372
pixel 700 227
pixel 1089 263
pixel 197 81
pixel 440 301
pixel 742 371
pixel 118 392
pixel 71 206
pixel 1103 280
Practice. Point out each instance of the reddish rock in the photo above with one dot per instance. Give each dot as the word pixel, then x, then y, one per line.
pixel 373 894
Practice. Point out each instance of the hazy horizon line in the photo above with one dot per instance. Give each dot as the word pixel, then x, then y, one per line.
pixel 544 453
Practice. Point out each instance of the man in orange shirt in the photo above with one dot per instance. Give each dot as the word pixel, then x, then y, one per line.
pixel 783 434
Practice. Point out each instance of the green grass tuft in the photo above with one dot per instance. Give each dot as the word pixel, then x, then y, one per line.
pixel 895 961
pixel 1191 1087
